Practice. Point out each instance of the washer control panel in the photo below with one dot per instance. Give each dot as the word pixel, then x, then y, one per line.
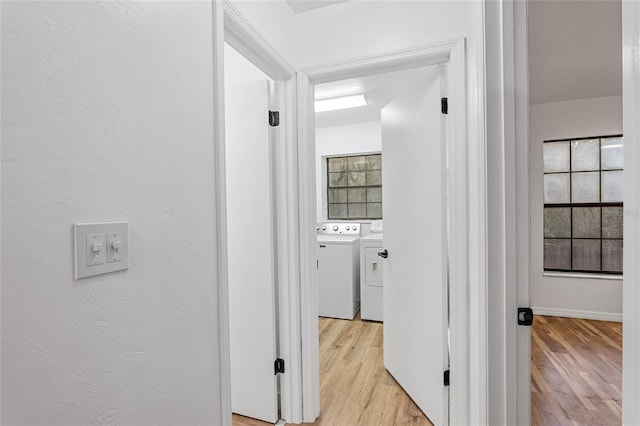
pixel 338 228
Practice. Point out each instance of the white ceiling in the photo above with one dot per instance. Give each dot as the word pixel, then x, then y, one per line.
pixel 380 89
pixel 299 6
pixel 575 49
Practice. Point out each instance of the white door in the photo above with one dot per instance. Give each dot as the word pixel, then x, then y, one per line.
pixel 414 274
pixel 251 247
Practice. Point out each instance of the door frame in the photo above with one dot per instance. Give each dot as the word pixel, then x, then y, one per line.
pixel 631 280
pixel 231 26
pixel 467 217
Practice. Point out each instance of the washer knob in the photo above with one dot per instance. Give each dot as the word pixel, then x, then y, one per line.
pixel 349 228
pixel 324 228
pixel 355 228
pixel 317 228
pixel 335 227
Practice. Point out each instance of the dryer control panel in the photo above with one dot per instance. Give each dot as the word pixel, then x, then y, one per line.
pixel 338 228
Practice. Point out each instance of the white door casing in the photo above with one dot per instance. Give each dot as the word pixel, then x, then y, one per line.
pixel 251 252
pixel 231 26
pixel 467 189
pixel 415 272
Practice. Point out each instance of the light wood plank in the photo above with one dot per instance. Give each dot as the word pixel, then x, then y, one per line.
pixel 576 369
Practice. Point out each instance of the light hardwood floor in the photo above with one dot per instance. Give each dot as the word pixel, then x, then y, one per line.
pixel 355 388
pixel 575 375
pixel 576 370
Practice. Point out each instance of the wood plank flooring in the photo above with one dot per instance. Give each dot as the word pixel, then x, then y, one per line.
pixel 355 388
pixel 576 372
pixel 575 375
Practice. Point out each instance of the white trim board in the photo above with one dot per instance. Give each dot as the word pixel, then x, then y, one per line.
pixel 465 349
pixel 631 281
pixel 244 37
pixel 574 313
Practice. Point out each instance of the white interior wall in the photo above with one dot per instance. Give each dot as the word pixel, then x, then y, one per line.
pixel 238 69
pixel 360 138
pixel 567 294
pixel 107 113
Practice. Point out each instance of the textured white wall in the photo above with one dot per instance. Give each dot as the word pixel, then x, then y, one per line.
pixel 588 297
pixel 107 114
pixel 342 140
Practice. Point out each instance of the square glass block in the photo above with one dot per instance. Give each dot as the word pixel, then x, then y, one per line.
pixel 612 222
pixel 357 195
pixel 555 156
pixel 612 187
pixel 586 222
pixel 338 179
pixel 612 255
pixel 556 188
pixel 586 255
pixel 355 164
pixel 375 161
pixel 585 187
pixel 337 164
pixel 357 178
pixel 357 211
pixel 557 222
pixel 585 155
pixel 374 210
pixel 374 178
pixel 557 254
pixel 374 195
pixel 612 153
pixel 337 195
pixel 337 211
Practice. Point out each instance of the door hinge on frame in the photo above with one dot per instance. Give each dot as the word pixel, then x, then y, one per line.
pixel 274 118
pixel 278 366
pixel 444 105
pixel 446 377
pixel 525 316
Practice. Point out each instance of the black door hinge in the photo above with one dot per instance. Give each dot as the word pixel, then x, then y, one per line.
pixel 278 366
pixel 446 377
pixel 274 118
pixel 525 316
pixel 444 104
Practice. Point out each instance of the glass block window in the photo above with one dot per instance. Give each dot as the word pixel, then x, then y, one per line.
pixel 354 187
pixel 583 205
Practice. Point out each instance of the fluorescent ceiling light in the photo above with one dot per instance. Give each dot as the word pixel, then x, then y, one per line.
pixel 341 103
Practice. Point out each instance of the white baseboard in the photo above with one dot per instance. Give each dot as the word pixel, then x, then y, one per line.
pixel 572 313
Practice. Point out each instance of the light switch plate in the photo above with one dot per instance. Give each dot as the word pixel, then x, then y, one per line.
pixel 88 262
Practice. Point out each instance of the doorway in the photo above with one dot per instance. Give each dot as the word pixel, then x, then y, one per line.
pixel 383 162
pixel 575 104
pixel 458 250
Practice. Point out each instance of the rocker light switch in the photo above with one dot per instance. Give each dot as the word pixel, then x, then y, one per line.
pixel 100 248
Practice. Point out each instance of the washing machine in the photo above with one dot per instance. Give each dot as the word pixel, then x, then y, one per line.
pixel 338 269
pixel 371 274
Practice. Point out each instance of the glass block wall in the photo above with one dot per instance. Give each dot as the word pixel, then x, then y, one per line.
pixel 583 205
pixel 354 187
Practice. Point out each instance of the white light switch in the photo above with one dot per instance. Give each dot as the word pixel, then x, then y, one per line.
pixel 100 248
pixel 114 247
pixel 96 249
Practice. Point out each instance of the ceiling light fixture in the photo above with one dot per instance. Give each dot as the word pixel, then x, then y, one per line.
pixel 341 103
